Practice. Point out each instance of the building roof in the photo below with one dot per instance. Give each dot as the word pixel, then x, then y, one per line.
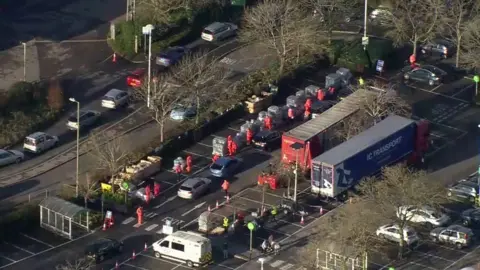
pixel 362 141
pixel 330 117
pixel 61 206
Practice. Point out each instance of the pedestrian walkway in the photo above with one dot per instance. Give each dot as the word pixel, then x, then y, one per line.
pixel 271 262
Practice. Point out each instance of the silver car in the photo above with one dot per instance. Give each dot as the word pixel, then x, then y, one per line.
pixel 193 188
pixel 181 112
pixel 87 118
pixel 219 31
pixel 10 156
pixel 115 98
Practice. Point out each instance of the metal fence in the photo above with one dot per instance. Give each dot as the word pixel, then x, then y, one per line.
pixel 327 260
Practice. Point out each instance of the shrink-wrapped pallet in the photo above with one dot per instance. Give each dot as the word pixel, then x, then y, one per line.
pixel 219 146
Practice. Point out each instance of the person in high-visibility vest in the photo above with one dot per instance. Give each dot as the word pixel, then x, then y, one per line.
pixel 189 163
pixel 274 213
pixel 225 187
pixel 225 222
pixel 361 82
pixel 249 136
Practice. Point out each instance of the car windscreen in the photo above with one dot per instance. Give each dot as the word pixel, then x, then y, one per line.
pixel 107 98
pixel 30 141
pixel 215 166
pixel 207 32
pixel 183 188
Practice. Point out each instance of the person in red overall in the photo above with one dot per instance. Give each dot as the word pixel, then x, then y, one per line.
pixel 291 115
pixel 156 189
pixel 320 94
pixel 215 158
pixel 308 104
pixel 268 122
pixel 225 187
pixel 178 171
pixel 234 148
pixel 229 144
pixel 140 215
pixel 307 114
pixel 249 136
pixel 331 90
pixel 147 194
pixel 189 164
pixel 413 61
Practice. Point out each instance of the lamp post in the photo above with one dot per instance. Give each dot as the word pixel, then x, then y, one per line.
pixel 78 143
pixel 147 30
pixel 476 79
pixel 365 19
pixel 296 146
pixel 261 260
pixel 24 61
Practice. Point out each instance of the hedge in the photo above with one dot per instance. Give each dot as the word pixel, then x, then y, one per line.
pixel 21 219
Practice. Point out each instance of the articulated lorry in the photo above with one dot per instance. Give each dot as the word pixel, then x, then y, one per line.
pixel 392 140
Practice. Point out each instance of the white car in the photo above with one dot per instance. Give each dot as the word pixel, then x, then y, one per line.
pixel 39 142
pixel 392 233
pixel 425 215
pixel 194 187
pixel 10 156
pixel 219 31
pixel 115 98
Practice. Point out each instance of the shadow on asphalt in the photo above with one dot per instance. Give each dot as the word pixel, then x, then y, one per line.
pixel 12 190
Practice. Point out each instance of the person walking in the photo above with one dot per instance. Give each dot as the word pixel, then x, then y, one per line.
pixel 225 250
pixel 225 187
pixel 264 246
pixel 274 213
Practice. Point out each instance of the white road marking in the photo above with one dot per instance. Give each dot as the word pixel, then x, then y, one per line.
pixel 257 202
pixel 19 248
pixel 173 220
pixel 234 129
pixel 138 225
pixel 286 267
pixel 165 202
pixel 277 263
pixel 265 259
pixel 445 247
pixel 128 220
pixel 151 215
pixel 203 144
pixel 195 154
pixel 136 267
pixel 461 258
pixel 436 87
pixel 224 266
pixel 439 94
pixel 463 90
pixel 193 209
pixel 431 255
pixel 6 258
pixel 151 227
pixel 36 240
pixel 163 260
pixel 419 264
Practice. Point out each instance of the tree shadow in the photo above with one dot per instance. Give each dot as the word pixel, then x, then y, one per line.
pixel 15 189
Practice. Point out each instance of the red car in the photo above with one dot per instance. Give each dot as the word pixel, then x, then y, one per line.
pixel 135 79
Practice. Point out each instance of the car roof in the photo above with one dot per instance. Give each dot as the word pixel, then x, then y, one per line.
pixel 36 135
pixel 192 181
pixel 433 69
pixel 394 225
pixel 214 26
pixel 3 151
pixel 114 92
pixel 459 228
pixel 224 160
pixel 264 133
pixel 466 183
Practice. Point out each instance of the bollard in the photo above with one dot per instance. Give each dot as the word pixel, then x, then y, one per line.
pixel 134 255
pixel 217 205
pixel 146 247
pixel 302 222
pixel 209 209
pixel 321 210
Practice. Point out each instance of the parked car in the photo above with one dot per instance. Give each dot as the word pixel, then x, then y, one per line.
pixel 225 166
pixel 141 194
pixel 39 142
pixel 10 156
pixel 464 191
pixel 219 31
pixel 267 140
pixel 456 235
pixel 392 233
pixel 136 77
pixel 380 15
pixel 103 248
pixel 170 56
pixel 471 217
pixel 87 118
pixel 115 98
pixel 193 188
pixel 438 47
pixel 424 215
pixel 182 112
pixel 426 74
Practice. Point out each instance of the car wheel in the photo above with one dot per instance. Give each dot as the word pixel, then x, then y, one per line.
pixel 458 245
pixel 449 194
pixel 431 82
pixel 466 223
pixel 18 160
pixel 157 254
pixel 406 77
pixel 101 258
pixel 424 52
pixel 189 263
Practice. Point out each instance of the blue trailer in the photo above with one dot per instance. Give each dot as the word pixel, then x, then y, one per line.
pixel 343 166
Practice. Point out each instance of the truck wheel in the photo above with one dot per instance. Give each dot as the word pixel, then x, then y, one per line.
pixel 189 264
pixel 157 254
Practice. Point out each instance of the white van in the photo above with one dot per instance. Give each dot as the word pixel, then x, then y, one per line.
pixel 185 247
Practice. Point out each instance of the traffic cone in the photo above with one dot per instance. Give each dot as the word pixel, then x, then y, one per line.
pixel 302 221
pixel 209 209
pixel 146 247
pixel 321 210
pixel 134 255
pixel 217 205
pixel 104 226
pixel 116 265
pixel 228 198
pixel 114 58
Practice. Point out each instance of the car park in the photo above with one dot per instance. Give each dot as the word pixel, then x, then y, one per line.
pixel 115 98
pixel 103 248
pixel 225 166
pixel 267 140
pixel 425 74
pixel 392 233
pixel 219 31
pixel 438 47
pixel 136 77
pixel 464 191
pixel 87 118
pixel 170 56
pixel 10 156
pixel 39 142
pixel 193 188
pixel 456 235
pixel 471 217
pixel 182 112
pixel 423 215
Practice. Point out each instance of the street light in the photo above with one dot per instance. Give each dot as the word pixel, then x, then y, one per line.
pixel 24 61
pixel 261 260
pixel 296 146
pixel 147 30
pixel 78 143
pixel 365 19
pixel 476 79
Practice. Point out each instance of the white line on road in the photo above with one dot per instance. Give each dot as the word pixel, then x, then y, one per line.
pixel 136 267
pixel 193 209
pixel 287 266
pixel 234 129
pixel 461 258
pixel 436 87
pixel 431 255
pixel 138 225
pixel 257 202
pixel 151 227
pixel 19 248
pixel 442 95
pixel 195 154
pixel 277 263
pixel 419 264
pixel 463 90
pixel 36 240
pixel 162 260
pixel 6 258
pixel 165 202
pixel 204 144
pixel 128 220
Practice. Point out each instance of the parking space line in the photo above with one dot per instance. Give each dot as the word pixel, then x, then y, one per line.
pixel 204 144
pixel 19 248
pixel 128 220
pixel 294 224
pixel 151 227
pixel 138 225
pixel 166 182
pixel 436 87
pixel 440 124
pixel 419 264
pixel 224 266
pixel 162 260
pixel 36 240
pixel 445 247
pixel 134 266
pixel 248 199
pixel 431 255
pixel 461 258
pixel 439 94
pixel 6 258
pixel 463 90
pixel 196 154
pixel 234 129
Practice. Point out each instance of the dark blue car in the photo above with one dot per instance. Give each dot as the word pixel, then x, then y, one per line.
pixel 170 56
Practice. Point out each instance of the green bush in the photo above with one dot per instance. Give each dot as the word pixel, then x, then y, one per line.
pixel 20 219
pixel 118 198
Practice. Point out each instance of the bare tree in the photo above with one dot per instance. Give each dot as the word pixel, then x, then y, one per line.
pixel 160 11
pixel 199 75
pixel 284 27
pixel 400 186
pixel 455 22
pixel 109 154
pixel 471 45
pixel 89 188
pixel 164 97
pixel 414 21
pixel 384 103
pixel 352 126
pixel 80 264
